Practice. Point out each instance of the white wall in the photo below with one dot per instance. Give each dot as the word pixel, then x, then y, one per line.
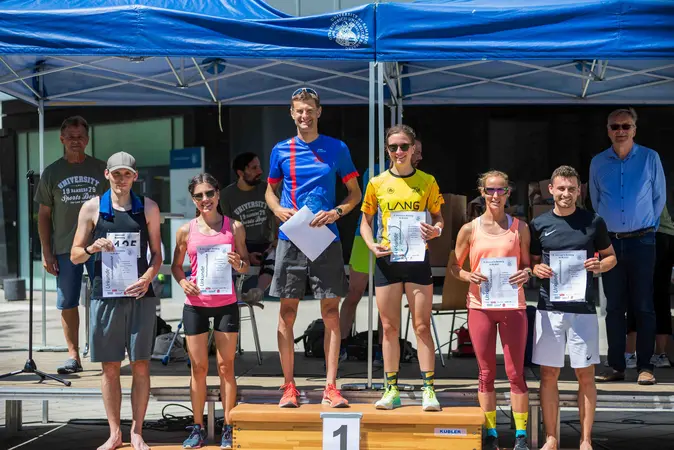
pixel 310 7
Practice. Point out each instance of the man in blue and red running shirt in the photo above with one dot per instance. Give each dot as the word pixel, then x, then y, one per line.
pixel 307 167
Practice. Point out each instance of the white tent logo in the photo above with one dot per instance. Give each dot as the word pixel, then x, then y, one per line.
pixel 348 30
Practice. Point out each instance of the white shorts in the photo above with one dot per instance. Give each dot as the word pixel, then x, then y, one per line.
pixel 555 330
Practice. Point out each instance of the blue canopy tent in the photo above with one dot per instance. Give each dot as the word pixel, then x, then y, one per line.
pixel 528 51
pixel 177 52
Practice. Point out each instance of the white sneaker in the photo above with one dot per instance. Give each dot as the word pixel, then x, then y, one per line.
pixel 630 361
pixel 661 361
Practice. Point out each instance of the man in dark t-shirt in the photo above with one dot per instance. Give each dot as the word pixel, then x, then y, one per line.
pixel 568 245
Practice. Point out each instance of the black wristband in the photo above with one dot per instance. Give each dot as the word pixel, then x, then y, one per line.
pixel 87 251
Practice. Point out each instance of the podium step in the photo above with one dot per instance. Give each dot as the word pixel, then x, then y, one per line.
pixel 268 427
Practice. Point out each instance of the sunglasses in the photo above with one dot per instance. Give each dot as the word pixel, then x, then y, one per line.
pixel 620 126
pixel 200 196
pixel 494 190
pixel 304 89
pixel 394 147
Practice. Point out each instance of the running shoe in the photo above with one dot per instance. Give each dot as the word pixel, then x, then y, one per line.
pixel 333 398
pixel 490 443
pixel 429 402
pixel 197 437
pixel 521 443
pixel 661 361
pixel 378 359
pixel 227 437
pixel 631 361
pixel 390 399
pixel 289 399
pixel 343 355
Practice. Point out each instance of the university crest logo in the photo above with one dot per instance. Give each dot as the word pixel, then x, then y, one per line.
pixel 348 30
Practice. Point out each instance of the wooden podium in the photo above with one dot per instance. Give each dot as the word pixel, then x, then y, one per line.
pixel 267 427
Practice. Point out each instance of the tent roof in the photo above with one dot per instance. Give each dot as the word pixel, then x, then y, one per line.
pixel 529 51
pixel 175 52
pixel 525 29
pixel 233 28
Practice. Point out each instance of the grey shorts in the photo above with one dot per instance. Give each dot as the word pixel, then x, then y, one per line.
pixel 292 269
pixel 122 324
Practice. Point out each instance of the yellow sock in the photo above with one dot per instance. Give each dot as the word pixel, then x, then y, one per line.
pixel 521 420
pixel 490 416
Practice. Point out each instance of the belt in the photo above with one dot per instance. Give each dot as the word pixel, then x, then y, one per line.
pixel 632 234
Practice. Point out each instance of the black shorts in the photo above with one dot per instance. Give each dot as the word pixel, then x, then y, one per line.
pixel 387 272
pixel 196 319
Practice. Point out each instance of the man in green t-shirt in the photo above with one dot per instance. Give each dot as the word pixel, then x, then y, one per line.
pixel 64 186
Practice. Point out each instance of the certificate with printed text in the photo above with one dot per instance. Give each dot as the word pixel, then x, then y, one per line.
pixel 569 279
pixel 497 292
pixel 119 270
pixel 404 234
pixel 125 240
pixel 214 273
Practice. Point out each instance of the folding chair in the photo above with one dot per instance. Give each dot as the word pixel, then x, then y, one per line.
pixel 241 278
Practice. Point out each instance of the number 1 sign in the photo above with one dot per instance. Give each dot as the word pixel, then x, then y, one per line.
pixel 341 431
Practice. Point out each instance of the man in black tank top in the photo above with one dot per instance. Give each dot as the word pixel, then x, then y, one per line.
pixel 116 230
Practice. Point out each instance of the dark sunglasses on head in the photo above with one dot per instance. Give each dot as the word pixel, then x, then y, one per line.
pixel 494 190
pixel 618 126
pixel 395 147
pixel 200 195
pixel 304 89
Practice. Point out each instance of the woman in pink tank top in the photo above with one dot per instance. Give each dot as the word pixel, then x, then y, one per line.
pixel 494 306
pixel 215 245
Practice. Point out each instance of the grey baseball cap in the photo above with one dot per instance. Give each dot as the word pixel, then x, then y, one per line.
pixel 121 160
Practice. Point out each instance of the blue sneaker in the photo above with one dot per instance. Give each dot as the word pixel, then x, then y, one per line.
pixel 197 437
pixel 227 436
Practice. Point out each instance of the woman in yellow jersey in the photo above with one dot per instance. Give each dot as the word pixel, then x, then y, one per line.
pixel 403 195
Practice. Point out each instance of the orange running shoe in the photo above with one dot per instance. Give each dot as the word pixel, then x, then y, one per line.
pixel 333 398
pixel 289 399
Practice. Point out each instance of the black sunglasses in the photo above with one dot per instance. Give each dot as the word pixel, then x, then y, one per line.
pixel 394 147
pixel 619 126
pixel 494 190
pixel 304 89
pixel 200 195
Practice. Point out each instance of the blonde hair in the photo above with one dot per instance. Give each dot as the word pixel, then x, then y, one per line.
pixel 492 173
pixel 303 96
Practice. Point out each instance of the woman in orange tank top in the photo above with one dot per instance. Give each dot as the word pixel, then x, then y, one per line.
pixel 492 241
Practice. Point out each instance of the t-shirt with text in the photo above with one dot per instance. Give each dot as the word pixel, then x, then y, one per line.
pixel 309 173
pixel 249 208
pixel 417 191
pixel 582 230
pixel 64 187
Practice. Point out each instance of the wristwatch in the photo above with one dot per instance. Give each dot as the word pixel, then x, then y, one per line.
pixel 439 228
pixel 339 211
pixel 87 251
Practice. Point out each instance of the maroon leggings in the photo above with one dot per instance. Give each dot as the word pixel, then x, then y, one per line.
pixel 512 327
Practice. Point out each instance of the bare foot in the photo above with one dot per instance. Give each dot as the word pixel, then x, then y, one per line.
pixel 115 441
pixel 550 444
pixel 585 445
pixel 138 443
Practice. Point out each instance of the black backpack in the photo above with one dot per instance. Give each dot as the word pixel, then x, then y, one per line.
pixel 312 339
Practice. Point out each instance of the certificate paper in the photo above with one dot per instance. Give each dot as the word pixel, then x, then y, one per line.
pixel 125 240
pixel 119 271
pixel 404 234
pixel 569 282
pixel 312 241
pixel 497 292
pixel 214 273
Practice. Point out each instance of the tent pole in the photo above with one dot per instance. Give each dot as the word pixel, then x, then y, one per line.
pixel 380 117
pixel 370 301
pixel 40 112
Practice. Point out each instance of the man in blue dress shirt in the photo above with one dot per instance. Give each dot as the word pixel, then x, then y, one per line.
pixel 627 187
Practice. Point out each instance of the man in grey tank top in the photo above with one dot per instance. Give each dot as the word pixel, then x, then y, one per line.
pixel 123 226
